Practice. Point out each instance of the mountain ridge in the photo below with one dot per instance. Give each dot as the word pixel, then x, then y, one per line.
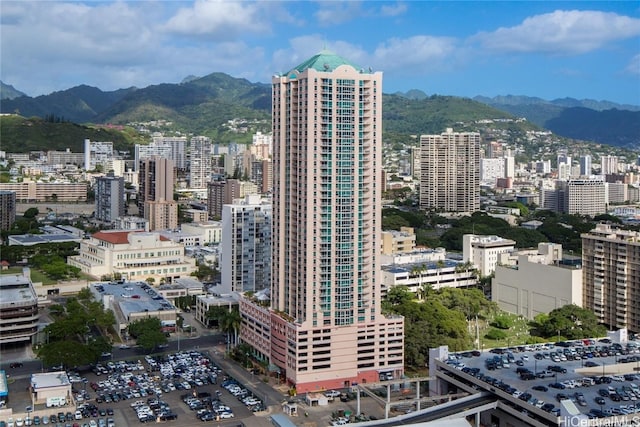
pixel 205 104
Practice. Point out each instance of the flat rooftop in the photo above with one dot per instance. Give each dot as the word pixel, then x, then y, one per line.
pixel 16 289
pixel 50 379
pixel 34 239
pixel 429 265
pixel 132 297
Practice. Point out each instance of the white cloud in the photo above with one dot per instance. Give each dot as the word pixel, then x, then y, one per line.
pixel 415 54
pixel 393 10
pixel 302 48
pixel 561 32
pixel 336 12
pixel 222 20
pixel 633 67
pixel 54 31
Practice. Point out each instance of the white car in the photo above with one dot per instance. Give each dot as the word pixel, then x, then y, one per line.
pixel 226 415
pixel 332 393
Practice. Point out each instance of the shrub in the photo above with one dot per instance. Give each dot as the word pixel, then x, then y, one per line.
pixel 495 334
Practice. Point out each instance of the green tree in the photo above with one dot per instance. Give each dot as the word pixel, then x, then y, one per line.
pixel 67 353
pixel 502 322
pixel 572 322
pixel 230 323
pixel 85 294
pixel 31 213
pixel 396 297
pixel 148 333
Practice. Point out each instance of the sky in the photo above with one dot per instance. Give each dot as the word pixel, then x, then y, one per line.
pixel 556 49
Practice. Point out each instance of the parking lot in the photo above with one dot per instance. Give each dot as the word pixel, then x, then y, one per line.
pixel 600 378
pixel 176 388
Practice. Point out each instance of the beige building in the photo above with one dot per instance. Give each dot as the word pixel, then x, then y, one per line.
pixel 483 251
pixel 51 389
pixel 532 282
pixel 326 329
pixel 450 171
pixel 155 193
pixel 30 191
pixel 584 196
pixel 162 215
pixel 394 241
pixel 611 274
pixel 133 255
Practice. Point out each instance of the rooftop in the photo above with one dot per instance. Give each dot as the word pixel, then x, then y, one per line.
pixel 49 379
pixel 118 237
pixel 16 289
pixel 132 297
pixel 323 61
pixel 430 265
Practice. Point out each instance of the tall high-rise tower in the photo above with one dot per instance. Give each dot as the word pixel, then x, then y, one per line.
pixel 245 258
pixel 155 193
pixel 450 171
pixel 109 193
pixel 327 329
pixel 199 162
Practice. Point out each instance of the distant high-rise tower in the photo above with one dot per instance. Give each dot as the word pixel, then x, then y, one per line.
pixel 450 171
pixel 109 193
pixel 585 165
pixel 199 162
pixel 326 328
pixel 155 194
pixel 246 245
pixel 608 165
pixel 7 209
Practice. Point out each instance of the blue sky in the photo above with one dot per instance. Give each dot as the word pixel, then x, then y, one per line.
pixel 546 49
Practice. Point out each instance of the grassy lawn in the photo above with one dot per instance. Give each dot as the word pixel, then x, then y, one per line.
pixel 517 334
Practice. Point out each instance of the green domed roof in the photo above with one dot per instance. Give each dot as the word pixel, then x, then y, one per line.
pixel 323 61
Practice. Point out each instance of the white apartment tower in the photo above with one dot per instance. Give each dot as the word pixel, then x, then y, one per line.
pixel 326 325
pixel 199 162
pixel 168 147
pixel 450 171
pixel 608 165
pixel 246 245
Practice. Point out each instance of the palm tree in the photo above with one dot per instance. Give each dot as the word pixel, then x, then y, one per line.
pixel 418 270
pixel 229 322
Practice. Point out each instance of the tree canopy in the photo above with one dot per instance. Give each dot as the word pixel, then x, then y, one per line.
pixel 148 333
pixel 571 322
pixel 441 319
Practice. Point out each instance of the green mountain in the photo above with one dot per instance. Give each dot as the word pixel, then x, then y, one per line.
pixel 9 92
pixel 205 105
pixel 21 135
pixel 589 120
pixel 80 104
